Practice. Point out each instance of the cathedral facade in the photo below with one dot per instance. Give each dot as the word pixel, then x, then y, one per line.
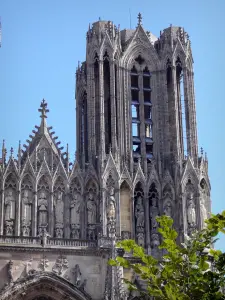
pixel 137 158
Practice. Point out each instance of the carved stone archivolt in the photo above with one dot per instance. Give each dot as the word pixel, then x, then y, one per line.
pixel 43 285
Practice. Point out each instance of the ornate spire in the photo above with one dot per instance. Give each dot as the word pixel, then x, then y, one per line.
pixel 11 152
pixel 67 158
pixel 202 151
pixel 139 19
pixel 4 152
pixel 19 156
pixel 43 110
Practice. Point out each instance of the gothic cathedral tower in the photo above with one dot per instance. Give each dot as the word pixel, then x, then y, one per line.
pixel 136 127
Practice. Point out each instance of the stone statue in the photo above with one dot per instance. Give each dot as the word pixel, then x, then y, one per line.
pixel 75 209
pixel 91 208
pixel 59 208
pixel 139 213
pixel 191 215
pixel 141 239
pixel 26 208
pixel 10 269
pixel 111 211
pixel 75 231
pixel 153 214
pixel 77 276
pixel 9 206
pixel 155 240
pixel 168 209
pixel 42 209
pixel 203 213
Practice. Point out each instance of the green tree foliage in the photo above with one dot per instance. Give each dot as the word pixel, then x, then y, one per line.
pixel 192 270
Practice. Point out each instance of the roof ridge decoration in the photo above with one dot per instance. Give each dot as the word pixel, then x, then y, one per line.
pixel 44 131
pixel 139 17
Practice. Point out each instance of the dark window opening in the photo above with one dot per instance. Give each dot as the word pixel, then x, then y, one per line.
pixel 134 95
pixel 117 117
pixel 84 132
pixel 149 150
pixel 97 106
pixel 134 81
pixel 148 112
pixel 183 117
pixel 147 96
pixel 107 103
pixel 146 82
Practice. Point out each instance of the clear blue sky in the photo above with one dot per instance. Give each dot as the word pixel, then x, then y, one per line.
pixel 43 40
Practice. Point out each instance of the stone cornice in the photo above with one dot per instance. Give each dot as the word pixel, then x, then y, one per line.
pixel 100 252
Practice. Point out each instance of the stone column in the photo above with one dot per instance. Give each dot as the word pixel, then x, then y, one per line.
pixel 2 212
pixel 89 112
pixel 175 128
pixel 193 112
pixel 51 216
pixel 147 223
pixel 18 214
pixel 67 226
pixel 35 215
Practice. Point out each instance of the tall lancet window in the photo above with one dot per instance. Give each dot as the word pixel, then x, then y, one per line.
pixel 141 110
pixel 97 103
pixel 170 94
pixel 84 133
pixel 107 103
pixel 147 112
pixel 135 112
pixel 181 105
pixel 116 104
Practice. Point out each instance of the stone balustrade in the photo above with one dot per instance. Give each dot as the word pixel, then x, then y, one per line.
pixel 50 242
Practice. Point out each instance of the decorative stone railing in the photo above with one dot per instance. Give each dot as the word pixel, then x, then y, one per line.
pixel 20 240
pixel 50 242
pixel 71 243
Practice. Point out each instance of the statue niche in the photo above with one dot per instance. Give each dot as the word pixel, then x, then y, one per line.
pixel 9 210
pixel 167 201
pixel 75 215
pixel 91 208
pixel 111 211
pixel 26 199
pixel 42 210
pixel 91 214
pixel 139 215
pixel 59 214
pixel 191 214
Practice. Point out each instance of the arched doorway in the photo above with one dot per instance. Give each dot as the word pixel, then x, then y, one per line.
pixel 43 286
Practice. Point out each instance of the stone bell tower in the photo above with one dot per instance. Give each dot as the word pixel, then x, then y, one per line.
pixel 136 125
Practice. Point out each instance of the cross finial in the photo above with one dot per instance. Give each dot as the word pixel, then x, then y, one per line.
pixel 11 151
pixel 202 151
pixel 139 19
pixel 43 109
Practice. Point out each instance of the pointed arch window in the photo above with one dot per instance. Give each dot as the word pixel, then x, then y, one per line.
pixel 181 105
pixel 141 109
pixel 84 121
